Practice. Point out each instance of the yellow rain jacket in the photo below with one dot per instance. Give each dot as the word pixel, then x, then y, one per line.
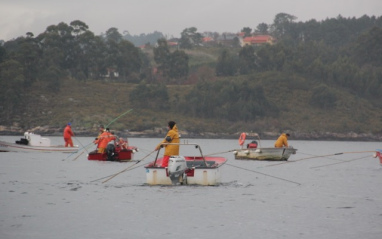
pixel 282 141
pixel 171 137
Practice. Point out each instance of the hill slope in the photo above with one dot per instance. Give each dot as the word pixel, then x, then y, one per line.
pixel 88 104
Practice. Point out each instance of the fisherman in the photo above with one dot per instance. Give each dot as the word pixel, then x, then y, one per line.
pixel 171 137
pixel 104 139
pixel 282 141
pixel 101 130
pixel 68 133
pixel 122 143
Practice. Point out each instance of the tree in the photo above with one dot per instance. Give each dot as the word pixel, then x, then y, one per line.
pixel 11 78
pixel 368 48
pixel 190 38
pixel 247 60
pixel 247 31
pixel 226 64
pixel 79 27
pixel 323 97
pixel 112 34
pixel 178 64
pixel 281 24
pixel 172 65
pixel 262 28
pixel 162 56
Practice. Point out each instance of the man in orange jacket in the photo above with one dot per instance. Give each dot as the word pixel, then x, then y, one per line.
pixel 104 139
pixel 68 133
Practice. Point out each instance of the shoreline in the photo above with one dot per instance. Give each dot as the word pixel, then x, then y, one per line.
pixel 159 133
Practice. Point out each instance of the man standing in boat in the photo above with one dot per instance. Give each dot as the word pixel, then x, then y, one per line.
pixel 171 137
pixel 68 133
pixel 282 141
pixel 104 139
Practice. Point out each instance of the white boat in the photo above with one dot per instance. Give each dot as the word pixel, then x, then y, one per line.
pixel 270 154
pixel 190 170
pixel 34 143
pixel 254 151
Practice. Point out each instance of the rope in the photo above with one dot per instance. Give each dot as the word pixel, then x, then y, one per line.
pixel 320 156
pixel 340 162
pixel 283 179
pixel 220 152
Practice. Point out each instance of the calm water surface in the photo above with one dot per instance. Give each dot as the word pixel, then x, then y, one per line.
pixel 320 195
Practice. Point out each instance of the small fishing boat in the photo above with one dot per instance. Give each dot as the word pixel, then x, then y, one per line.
pixel 117 151
pixel 189 170
pixel 254 151
pixel 114 153
pixel 34 143
pixel 378 153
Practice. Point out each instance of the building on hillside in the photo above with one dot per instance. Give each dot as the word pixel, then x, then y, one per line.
pixel 258 40
pixel 229 39
pixel 111 73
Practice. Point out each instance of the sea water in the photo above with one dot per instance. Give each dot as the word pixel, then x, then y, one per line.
pixel 327 190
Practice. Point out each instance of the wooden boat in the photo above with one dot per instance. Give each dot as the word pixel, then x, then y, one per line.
pixel 114 153
pixel 254 151
pixel 190 170
pixel 34 143
pixel 378 153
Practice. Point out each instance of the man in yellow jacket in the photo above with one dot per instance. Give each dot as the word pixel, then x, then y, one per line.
pixel 171 137
pixel 282 141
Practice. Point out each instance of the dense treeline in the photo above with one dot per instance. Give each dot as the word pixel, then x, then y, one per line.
pixel 337 53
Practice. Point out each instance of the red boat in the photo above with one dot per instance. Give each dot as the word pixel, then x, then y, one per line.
pixel 378 154
pixel 114 153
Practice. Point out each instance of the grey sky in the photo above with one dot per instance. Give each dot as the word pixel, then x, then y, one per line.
pixel 170 17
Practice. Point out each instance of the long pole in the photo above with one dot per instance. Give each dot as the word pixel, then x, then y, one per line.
pixel 80 143
pixel 118 118
pixel 114 175
pixel 320 156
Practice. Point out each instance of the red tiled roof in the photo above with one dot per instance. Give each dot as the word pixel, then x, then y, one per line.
pixel 258 39
pixel 207 39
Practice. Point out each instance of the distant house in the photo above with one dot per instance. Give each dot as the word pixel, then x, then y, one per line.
pixel 228 39
pixel 170 43
pixel 207 39
pixel 258 40
pixel 111 73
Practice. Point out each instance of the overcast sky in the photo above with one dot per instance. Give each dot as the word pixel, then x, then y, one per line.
pixel 170 17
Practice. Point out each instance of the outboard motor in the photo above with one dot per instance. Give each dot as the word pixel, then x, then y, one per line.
pixel 176 167
pixel 110 152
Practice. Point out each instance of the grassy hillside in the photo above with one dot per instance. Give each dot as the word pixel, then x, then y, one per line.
pixel 88 104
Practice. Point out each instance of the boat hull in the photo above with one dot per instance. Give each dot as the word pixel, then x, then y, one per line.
pixel 197 172
pixel 120 155
pixel 11 147
pixel 266 154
